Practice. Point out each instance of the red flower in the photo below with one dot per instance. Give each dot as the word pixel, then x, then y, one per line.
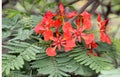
pixel 45 25
pixel 39 28
pixel 49 15
pixel 79 21
pixel 57 23
pixel 50 28
pixel 69 45
pixel 67 35
pixel 51 51
pixel 48 35
pixel 67 27
pixel 47 19
pixel 59 42
pixel 91 46
pixel 61 8
pixel 103 36
pixel 86 20
pixel 47 22
pixel 45 30
pixel 62 13
pixel 78 34
pixel 88 38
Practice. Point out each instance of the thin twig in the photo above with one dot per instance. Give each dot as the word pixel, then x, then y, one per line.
pixel 72 2
pixel 102 8
pixel 82 9
pixel 34 3
pixel 95 6
pixel 108 10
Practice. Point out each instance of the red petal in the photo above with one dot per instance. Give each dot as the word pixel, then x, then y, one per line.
pixel 48 35
pixel 71 14
pixel 70 43
pixel 105 38
pixel 59 47
pixel 102 36
pixel 51 51
pixel 86 20
pixel 103 25
pixel 61 8
pixel 86 15
pixel 108 40
pixel 39 28
pixel 48 15
pixel 67 48
pixel 67 35
pixel 47 21
pixel 89 38
pixel 57 23
pixel 78 22
pixel 79 38
pixel 67 27
pixel 99 17
pixel 94 44
pixel 87 24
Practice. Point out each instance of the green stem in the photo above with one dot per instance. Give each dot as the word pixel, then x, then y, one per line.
pixel 93 31
pixel 35 37
pixel 63 20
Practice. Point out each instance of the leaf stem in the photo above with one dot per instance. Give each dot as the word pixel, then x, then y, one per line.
pixel 35 37
pixel 93 31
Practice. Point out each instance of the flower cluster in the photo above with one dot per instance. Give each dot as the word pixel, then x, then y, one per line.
pixel 63 35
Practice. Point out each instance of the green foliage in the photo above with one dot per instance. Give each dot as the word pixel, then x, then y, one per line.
pixel 95 63
pixel 104 47
pixel 15 74
pixel 7 26
pixel 84 70
pixel 11 12
pixel 60 66
pixel 116 42
pixel 23 34
pixel 49 65
pixel 24 51
pixel 110 73
pixel 19 29
pixel 11 62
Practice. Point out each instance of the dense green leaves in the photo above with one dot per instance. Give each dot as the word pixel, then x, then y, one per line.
pixel 11 62
pixel 59 66
pixel 49 65
pixel 24 51
pixel 23 34
pixel 15 74
pixel 94 62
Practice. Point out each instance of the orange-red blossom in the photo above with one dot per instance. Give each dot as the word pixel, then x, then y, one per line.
pixel 63 35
